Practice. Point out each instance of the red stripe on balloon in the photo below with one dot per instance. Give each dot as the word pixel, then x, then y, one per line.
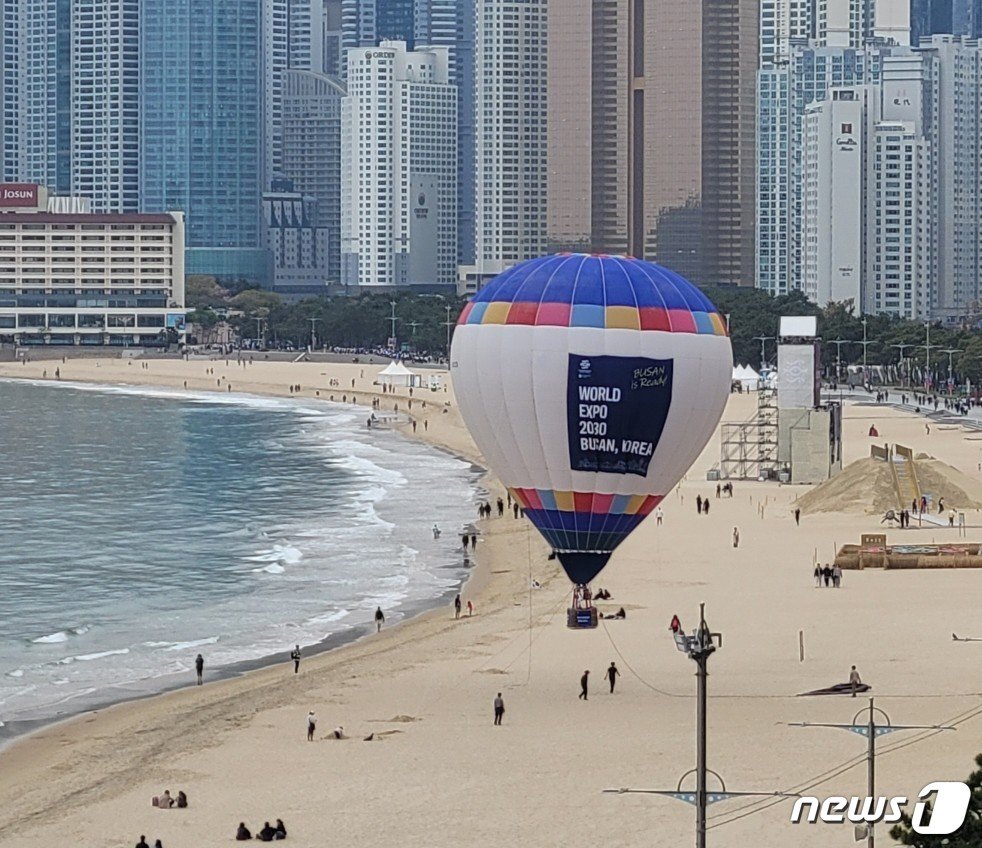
pixel 654 318
pixel 553 314
pixel 522 313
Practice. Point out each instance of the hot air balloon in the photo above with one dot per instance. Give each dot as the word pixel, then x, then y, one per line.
pixel 590 384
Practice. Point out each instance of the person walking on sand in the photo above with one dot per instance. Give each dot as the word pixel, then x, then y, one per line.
pixel 836 577
pixel 705 506
pixel 797 516
pixel 456 607
pixel 295 656
pixel 584 684
pixel 854 681
pixel 311 725
pixel 470 608
pixel 736 538
pixel 699 504
pixel 611 675
pixel 199 666
pixel 379 619
pixel 659 515
pixel 817 574
pixel 499 709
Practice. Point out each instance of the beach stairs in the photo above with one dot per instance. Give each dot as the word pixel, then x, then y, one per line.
pixel 904 470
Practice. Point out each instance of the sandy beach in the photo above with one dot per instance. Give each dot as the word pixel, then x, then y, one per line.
pixel 437 771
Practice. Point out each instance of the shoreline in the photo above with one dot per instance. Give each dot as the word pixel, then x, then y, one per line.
pixel 474 579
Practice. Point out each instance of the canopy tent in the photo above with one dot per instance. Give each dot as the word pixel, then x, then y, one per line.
pixel 396 374
pixel 747 377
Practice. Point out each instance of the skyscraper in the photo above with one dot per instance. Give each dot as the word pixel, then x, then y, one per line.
pixel 399 168
pixel 332 38
pixel 70 98
pixel 651 132
pixel 366 23
pixel 450 24
pixel 105 104
pixel 510 110
pixel 37 94
pixel 312 151
pixel 201 127
pixel 293 39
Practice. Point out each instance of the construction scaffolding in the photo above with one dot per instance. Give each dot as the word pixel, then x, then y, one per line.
pixel 749 449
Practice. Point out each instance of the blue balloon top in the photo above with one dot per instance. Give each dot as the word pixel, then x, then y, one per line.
pixel 587 290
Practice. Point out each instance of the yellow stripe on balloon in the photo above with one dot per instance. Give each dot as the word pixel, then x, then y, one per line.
pixel 564 501
pixel 496 313
pixel 633 505
pixel 623 318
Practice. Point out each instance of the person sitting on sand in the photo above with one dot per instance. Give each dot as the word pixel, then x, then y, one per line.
pixel 165 802
pixel 339 732
pixel 182 800
pixel 280 830
pixel 241 835
pixel 266 834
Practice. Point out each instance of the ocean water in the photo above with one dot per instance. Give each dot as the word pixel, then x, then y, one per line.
pixel 140 527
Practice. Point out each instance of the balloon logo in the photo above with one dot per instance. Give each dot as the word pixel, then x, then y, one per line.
pixel 590 384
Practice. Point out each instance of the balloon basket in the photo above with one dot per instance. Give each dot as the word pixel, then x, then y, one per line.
pixel 581 619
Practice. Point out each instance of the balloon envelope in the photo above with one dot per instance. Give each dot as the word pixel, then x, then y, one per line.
pixel 590 384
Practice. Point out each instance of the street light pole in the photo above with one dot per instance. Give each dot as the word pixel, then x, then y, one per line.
pixel 449 325
pixel 872 731
pixel 313 336
pixel 902 347
pixel 951 351
pixel 763 340
pixel 838 355
pixel 393 319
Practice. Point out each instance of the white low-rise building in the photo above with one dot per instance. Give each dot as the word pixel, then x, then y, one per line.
pixel 76 278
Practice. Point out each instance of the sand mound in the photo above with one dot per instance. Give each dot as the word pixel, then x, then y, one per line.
pixel 866 486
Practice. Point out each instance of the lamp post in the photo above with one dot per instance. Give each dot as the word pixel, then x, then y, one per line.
pixel 838 355
pixel 865 345
pixel 951 351
pixel 763 341
pixel 449 325
pixel 393 319
pixel 902 347
pixel 313 334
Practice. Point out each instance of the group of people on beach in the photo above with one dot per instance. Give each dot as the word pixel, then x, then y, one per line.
pixel 269 833
pixel 829 575
pixel 167 802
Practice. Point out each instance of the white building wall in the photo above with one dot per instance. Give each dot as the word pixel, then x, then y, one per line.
pixel 399 123
pixel 833 199
pixel 510 109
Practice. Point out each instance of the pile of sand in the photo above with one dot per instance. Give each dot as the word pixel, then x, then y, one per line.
pixel 866 486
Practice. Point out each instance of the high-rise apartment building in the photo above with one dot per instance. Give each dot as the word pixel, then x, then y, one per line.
pixel 366 23
pixel 293 39
pixel 399 168
pixel 201 127
pixel 450 24
pixel 784 92
pixel 70 90
pixel 106 104
pixel 651 132
pixel 892 189
pixel 312 152
pixel 331 51
pixel 510 131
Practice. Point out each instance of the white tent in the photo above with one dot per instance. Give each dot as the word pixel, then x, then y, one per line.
pixel 747 377
pixel 396 374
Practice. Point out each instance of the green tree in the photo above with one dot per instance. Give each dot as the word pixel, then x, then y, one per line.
pixel 204 292
pixel 969 835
